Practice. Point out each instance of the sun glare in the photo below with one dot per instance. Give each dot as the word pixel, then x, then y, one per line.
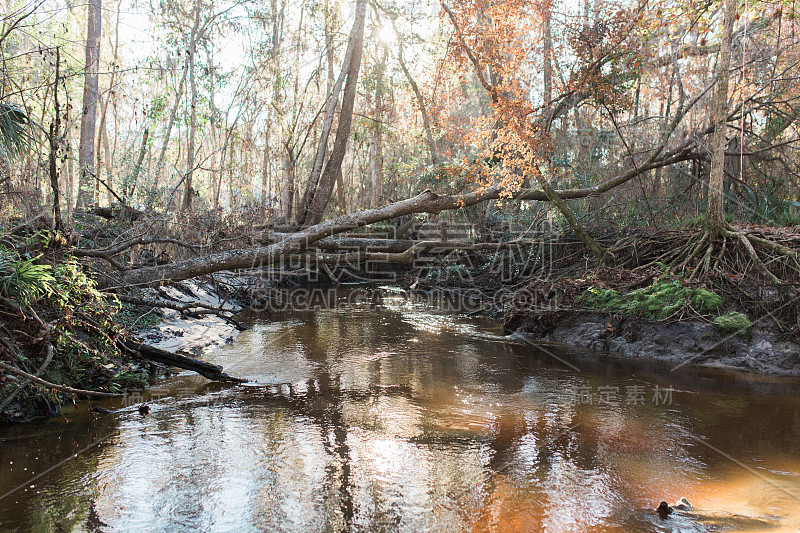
pixel 387 34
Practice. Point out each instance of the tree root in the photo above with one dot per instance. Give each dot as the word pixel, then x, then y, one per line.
pixel 751 252
pixel 735 251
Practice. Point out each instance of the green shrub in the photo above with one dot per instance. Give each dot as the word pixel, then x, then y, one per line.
pixel 23 280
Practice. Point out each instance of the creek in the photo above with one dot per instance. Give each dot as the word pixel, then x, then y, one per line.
pixel 373 411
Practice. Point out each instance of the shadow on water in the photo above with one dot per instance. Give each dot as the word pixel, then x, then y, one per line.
pixel 368 410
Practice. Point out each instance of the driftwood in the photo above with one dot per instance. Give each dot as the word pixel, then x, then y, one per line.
pixel 151 353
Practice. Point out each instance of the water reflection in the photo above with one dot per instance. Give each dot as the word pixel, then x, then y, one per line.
pixel 394 417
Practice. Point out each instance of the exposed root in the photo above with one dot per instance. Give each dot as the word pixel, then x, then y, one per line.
pixel 695 251
pixel 704 264
pixel 721 253
pixel 738 253
pixel 753 255
pixel 757 268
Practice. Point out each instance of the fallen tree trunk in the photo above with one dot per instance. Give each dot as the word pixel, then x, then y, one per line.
pixel 351 243
pixel 151 353
pixel 191 309
pixel 426 202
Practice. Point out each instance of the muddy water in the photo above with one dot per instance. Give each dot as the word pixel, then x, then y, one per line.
pixel 384 414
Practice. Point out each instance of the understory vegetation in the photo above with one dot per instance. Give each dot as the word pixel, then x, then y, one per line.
pixel 57 327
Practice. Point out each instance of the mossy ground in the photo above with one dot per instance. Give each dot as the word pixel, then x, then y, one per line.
pixel 661 300
pixel 735 323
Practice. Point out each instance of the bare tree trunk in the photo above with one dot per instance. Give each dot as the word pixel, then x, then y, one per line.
pixel 187 197
pixel 215 174
pixel 139 160
pixel 232 202
pixel 227 147
pixel 102 134
pixel 376 147
pixel 340 191
pixel 265 174
pixel 89 118
pixel 329 47
pixel 715 214
pixel 222 159
pixel 167 134
pixel 291 171
pixel 282 168
pixel 332 168
pixel 70 174
pixel 322 145
pixel 55 141
pixel 244 163
pixel 175 105
pixel 426 121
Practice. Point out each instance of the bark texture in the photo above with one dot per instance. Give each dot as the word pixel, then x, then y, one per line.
pixel 715 215
pixel 89 117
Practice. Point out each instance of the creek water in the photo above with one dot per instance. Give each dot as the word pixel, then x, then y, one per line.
pixel 384 413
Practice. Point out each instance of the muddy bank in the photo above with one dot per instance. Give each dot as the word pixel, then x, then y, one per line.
pixel 186 335
pixel 685 342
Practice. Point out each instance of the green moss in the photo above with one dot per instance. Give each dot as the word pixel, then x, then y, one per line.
pixel 706 301
pixel 734 323
pixel 597 297
pixel 669 310
pixel 664 298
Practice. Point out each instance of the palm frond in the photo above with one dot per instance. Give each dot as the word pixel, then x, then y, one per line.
pixel 16 132
pixel 24 280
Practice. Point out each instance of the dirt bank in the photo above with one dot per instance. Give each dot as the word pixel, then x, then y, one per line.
pixel 646 313
pixel 684 342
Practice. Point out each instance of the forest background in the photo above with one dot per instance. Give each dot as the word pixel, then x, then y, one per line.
pixel 233 106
